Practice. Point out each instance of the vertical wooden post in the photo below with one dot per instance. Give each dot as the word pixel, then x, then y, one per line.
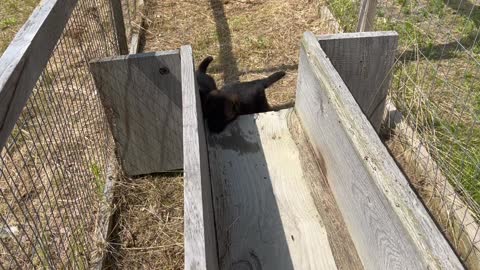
pixel 119 26
pixel 366 16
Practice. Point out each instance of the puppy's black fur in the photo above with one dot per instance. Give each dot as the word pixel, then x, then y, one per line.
pixel 223 106
pixel 206 83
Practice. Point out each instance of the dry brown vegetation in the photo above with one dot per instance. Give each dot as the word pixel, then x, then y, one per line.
pixel 53 167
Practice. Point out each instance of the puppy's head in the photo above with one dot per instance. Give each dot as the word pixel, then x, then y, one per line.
pixel 220 109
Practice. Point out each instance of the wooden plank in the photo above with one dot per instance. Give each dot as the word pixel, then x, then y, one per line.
pixel 388 224
pixel 119 24
pixel 366 15
pixel 26 57
pixel 137 28
pixel 142 97
pixel 266 214
pixel 105 221
pixel 364 62
pixel 199 225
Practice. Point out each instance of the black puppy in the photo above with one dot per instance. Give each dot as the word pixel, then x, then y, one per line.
pixel 223 106
pixel 206 83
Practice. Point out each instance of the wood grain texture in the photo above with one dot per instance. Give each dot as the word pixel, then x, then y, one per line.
pixel 266 216
pixel 143 99
pixel 364 62
pixel 366 15
pixel 119 24
pixel 26 57
pixel 388 224
pixel 199 225
pixel 343 248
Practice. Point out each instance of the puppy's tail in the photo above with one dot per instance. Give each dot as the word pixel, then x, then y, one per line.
pixel 273 78
pixel 204 64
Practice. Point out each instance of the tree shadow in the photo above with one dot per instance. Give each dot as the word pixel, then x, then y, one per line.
pixel 228 61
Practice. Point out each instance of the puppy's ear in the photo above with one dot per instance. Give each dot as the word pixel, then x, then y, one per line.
pixel 231 108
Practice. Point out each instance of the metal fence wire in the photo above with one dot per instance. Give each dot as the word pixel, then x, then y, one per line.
pixel 54 164
pixel 436 90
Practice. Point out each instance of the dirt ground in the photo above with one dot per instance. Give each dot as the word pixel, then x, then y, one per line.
pixel 248 39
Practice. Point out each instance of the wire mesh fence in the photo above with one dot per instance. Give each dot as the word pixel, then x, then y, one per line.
pixel 436 89
pixel 54 164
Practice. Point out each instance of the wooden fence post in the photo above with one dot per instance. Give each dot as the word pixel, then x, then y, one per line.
pixel 119 26
pixel 366 16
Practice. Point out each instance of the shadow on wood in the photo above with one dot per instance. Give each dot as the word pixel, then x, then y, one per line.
pixel 142 98
pixel 273 208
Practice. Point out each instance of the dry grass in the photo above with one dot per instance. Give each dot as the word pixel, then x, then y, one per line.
pixel 13 13
pixel 150 223
pixel 248 39
pixel 53 167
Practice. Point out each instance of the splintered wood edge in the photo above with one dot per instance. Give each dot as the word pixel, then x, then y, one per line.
pixel 199 230
pixel 384 173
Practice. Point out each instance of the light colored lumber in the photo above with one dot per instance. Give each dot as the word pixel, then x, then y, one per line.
pixel 364 62
pixel 136 29
pixel 119 25
pixel 199 225
pixel 366 15
pixel 388 224
pixel 266 212
pixel 142 97
pixel 26 57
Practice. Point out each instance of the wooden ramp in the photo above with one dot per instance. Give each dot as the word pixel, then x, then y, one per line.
pixel 273 206
pixel 311 187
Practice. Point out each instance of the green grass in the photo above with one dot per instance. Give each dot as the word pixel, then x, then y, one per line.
pixel 13 14
pixel 99 180
pixel 346 12
pixel 428 78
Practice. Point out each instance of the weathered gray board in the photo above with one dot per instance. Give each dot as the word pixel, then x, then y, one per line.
pixel 364 62
pixel 388 224
pixel 199 225
pixel 26 57
pixel 273 208
pixel 143 100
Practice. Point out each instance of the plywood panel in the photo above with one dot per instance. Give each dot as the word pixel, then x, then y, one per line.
pixel 142 96
pixel 364 61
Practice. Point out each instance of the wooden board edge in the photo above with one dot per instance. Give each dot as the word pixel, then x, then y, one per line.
pixel 385 175
pixel 464 226
pixel 199 232
pixel 25 58
pixel 106 214
pixel 133 56
pixel 357 35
